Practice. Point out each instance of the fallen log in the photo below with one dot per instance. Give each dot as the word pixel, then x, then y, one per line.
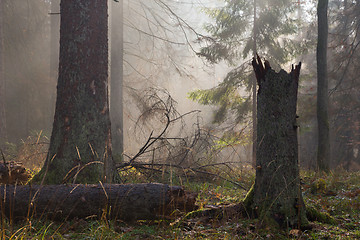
pixel 127 202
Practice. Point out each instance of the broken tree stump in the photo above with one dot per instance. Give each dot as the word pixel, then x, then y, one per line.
pixel 127 201
pixel 277 192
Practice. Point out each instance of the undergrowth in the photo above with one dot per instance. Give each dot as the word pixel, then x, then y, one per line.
pixel 337 194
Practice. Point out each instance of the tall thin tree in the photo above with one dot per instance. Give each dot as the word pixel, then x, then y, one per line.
pixel 254 119
pixel 2 80
pixel 323 154
pixel 80 145
pixel 116 77
pixel 54 45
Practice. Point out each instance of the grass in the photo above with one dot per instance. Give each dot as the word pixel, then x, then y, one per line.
pixel 337 194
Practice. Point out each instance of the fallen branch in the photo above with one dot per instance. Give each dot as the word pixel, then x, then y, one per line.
pixel 189 169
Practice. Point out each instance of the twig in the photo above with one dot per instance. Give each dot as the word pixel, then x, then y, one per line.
pixel 144 166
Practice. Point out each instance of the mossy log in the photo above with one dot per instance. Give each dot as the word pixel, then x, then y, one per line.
pixel 127 202
pixel 315 215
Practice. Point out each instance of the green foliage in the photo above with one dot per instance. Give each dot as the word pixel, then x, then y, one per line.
pixel 333 199
pixel 229 139
pixel 226 96
pixel 231 33
pixel 318 186
pixel 231 39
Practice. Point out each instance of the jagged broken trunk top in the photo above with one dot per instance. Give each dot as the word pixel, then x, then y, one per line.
pixel 277 185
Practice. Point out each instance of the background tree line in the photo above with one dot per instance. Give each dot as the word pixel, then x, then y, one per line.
pixel 286 31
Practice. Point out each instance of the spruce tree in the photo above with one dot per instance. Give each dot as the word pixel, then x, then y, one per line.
pixel 232 40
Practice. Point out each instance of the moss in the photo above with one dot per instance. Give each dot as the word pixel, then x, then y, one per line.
pixel 318 186
pixel 208 212
pixel 314 215
pixel 249 199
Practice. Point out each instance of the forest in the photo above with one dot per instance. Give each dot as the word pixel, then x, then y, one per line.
pixel 180 119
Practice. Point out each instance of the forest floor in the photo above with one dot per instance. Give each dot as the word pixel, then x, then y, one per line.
pixel 337 194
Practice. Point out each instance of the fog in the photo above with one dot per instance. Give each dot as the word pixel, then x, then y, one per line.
pixel 159 53
pixel 29 88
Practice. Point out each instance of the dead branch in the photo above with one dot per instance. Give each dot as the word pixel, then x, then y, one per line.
pixel 150 166
pixel 186 154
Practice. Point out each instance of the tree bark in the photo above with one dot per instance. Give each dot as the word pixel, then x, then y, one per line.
pixel 54 49
pixel 2 81
pixel 80 145
pixel 116 77
pixel 277 193
pixel 254 125
pixel 128 202
pixel 323 154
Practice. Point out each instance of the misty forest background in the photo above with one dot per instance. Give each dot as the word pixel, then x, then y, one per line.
pixel 167 52
pixel 183 84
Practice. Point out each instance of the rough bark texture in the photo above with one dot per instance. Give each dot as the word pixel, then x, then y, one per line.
pixel 127 202
pixel 116 83
pixel 2 81
pixel 277 193
pixel 323 154
pixel 54 49
pixel 80 145
pixel 254 91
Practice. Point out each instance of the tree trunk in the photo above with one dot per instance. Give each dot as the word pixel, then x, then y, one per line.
pixel 80 145
pixel 2 81
pixel 54 49
pixel 323 154
pixel 254 125
pixel 277 193
pixel 127 202
pixel 116 82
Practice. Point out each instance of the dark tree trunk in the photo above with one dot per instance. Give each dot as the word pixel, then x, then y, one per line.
pixel 277 193
pixel 127 202
pixel 54 49
pixel 2 81
pixel 116 80
pixel 323 155
pixel 80 145
pixel 254 125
